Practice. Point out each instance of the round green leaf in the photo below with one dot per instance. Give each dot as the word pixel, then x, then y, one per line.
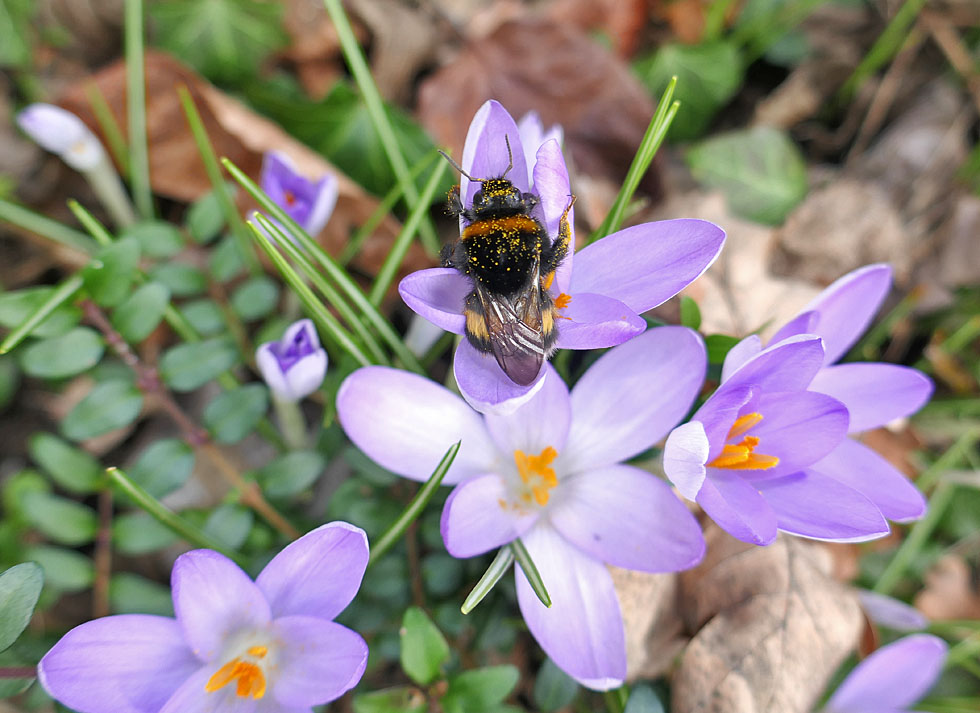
pixel 141 312
pixel 403 699
pixel 111 272
pixel 718 346
pixel 137 533
pixel 70 467
pixel 255 298
pixel 157 238
pixel 110 405
pixel 233 414
pixel 132 594
pixel 20 586
pixel 480 689
pixel 290 474
pixel 690 313
pixel 226 260
pixel 16 307
pixel 64 570
pixel 188 366
pixel 67 355
pixel 553 688
pixel 163 467
pixel 60 519
pixel 205 218
pixel 229 524
pixel 643 700
pixel 424 649
pixel 205 316
pixel 182 280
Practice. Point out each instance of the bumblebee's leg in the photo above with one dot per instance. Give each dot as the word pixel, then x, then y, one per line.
pixel 476 323
pixel 549 328
pixel 552 256
pixel 454 206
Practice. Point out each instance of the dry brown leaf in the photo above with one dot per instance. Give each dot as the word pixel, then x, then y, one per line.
pixel 554 69
pixel 773 627
pixel 685 17
pixel 622 21
pixel 314 47
pixel 654 630
pixel 950 592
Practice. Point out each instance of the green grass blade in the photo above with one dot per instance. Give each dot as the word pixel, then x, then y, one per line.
pixel 497 569
pixel 110 127
pixel 45 227
pixel 98 231
pixel 64 292
pixel 523 558
pixel 139 158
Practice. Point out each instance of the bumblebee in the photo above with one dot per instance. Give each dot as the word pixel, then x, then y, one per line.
pixel 512 261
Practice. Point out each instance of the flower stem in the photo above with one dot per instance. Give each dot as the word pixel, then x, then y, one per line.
pixel 106 184
pixel 292 424
pixel 139 158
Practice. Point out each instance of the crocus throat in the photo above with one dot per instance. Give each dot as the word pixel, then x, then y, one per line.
pixel 288 354
pixel 537 476
pixel 742 455
pixel 248 674
pixel 290 198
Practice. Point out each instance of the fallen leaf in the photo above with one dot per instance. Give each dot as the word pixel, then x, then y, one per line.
pixel 772 627
pixel 950 591
pixel 622 21
pixel 314 48
pixel 686 18
pixel 654 629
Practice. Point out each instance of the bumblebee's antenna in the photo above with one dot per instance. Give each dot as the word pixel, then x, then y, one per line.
pixel 458 167
pixel 510 155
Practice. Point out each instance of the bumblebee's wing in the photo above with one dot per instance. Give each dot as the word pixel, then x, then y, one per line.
pixel 514 331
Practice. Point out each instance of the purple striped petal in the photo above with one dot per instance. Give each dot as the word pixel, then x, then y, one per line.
pixel 582 631
pixel 596 321
pixel 485 153
pixel 327 189
pixel 118 664
pixel 484 384
pixel 859 467
pixel 214 598
pixel 787 366
pixel 479 517
pixel 318 662
pixel 737 507
pixel 438 294
pixel 685 453
pixel 608 513
pixel 318 574
pixel 541 421
pixel 874 394
pixel 802 323
pixel 632 396
pixel 406 423
pixel 893 677
pixel 812 505
pixel 739 354
pixel 645 265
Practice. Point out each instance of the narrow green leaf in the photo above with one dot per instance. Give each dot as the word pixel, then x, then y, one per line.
pixel 403 699
pixel 60 357
pixel 71 468
pixel 115 138
pixel 690 313
pixel 497 569
pixel 63 521
pixel 141 312
pixel 530 571
pixel 423 647
pixel 186 367
pixel 108 406
pixel 139 159
pixel 20 586
pixel 45 227
pixel 55 299
pixel 234 414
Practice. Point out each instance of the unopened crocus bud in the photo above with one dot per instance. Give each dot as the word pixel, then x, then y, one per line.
pixel 294 366
pixel 309 203
pixel 61 132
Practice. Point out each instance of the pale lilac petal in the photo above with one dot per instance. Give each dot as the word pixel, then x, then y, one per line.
pixel 534 135
pixel 485 152
pixel 888 611
pixel 787 366
pixel 421 335
pixel 628 518
pixel 479 516
pixel 582 631
pixel 438 295
pixel 802 323
pixel 214 598
pixel 645 265
pixel 685 453
pixel 633 395
pixel 119 664
pixel 272 373
pixel 327 191
pixel 319 660
pixel 294 366
pixel 799 428
pixel 809 504
pixel 484 384
pixel 739 354
pixel 859 467
pixel 406 423
pixel 191 697
pixel 551 186
pixel 844 310
pixel 596 321
pixel 874 394
pixel 318 574
pixel 893 677
pixel 61 132
pixel 717 415
pixel 737 507
pixel 307 375
pixel 541 421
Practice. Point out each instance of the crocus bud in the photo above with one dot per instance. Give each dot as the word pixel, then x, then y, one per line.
pixel 307 202
pixel 294 366
pixel 63 133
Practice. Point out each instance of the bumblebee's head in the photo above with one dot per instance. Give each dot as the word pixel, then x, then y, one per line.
pixel 499 194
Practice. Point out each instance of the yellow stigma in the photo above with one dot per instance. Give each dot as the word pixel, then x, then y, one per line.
pixel 251 680
pixel 742 455
pixel 538 477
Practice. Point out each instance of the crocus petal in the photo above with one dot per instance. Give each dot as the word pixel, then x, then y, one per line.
pixel 596 321
pixel 633 395
pixel 534 135
pixel 438 295
pixel 294 366
pixel 478 517
pixel 799 428
pixel 318 574
pixel 888 611
pixel 846 307
pixel 628 518
pixel 739 354
pixel 737 507
pixel 813 505
pixel 542 421
pixel 191 697
pixel 802 323
pixel 272 374
pixel 582 631
pixel 327 189
pixel 421 335
pixel 859 467
pixel 485 153
pixel 685 453
pixel 61 132
pixel 319 660
pixel 119 664
pixel 718 414
pixel 307 374
pixel 787 366
pixel 214 598
pixel 406 423
pixel 874 393
pixel 484 384
pixel 645 265
pixel 893 677
pixel 552 187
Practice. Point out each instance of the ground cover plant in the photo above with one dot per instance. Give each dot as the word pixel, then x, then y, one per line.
pixel 391 357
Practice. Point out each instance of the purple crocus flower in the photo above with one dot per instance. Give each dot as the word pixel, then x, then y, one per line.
pixel 888 611
pixel 614 280
pixel 61 132
pixel 892 678
pixel 551 473
pixel 294 366
pixel 307 202
pixel 745 454
pixel 268 646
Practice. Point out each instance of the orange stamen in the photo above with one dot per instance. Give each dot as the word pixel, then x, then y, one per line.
pixel 251 680
pixel 742 455
pixel 537 475
pixel 562 300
